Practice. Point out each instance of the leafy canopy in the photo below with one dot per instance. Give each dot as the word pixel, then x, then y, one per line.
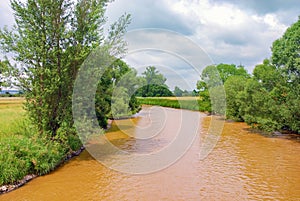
pixel 48 43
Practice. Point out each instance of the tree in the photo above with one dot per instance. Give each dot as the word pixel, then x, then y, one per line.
pixel 258 108
pixel 152 76
pixel 115 96
pixel 263 101
pixel 286 58
pixel 234 85
pixel 49 42
pixel 286 52
pixel 267 74
pixel 204 95
pixel 178 92
pixel 3 68
pixel 154 84
pixel 212 79
pixel 226 71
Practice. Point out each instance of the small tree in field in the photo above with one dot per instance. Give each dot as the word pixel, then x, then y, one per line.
pixel 49 42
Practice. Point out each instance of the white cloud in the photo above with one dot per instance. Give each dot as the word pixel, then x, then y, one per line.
pixel 165 49
pixel 230 31
pixel 6 14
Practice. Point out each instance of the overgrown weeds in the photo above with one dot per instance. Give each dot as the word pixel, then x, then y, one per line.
pixel 22 150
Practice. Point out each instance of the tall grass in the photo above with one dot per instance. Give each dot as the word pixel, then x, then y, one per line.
pixel 22 151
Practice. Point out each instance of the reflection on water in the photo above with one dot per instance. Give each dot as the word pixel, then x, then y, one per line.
pixel 243 166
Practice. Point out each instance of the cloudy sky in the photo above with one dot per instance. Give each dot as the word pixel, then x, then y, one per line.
pixel 229 31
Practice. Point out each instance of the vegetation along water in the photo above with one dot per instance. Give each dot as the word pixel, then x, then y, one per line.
pixel 42 57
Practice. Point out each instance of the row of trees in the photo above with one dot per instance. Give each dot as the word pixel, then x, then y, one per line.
pixel 269 98
pixel 153 84
pixel 51 39
pixel 48 44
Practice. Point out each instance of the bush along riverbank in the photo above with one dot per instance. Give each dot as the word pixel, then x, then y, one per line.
pixel 23 158
pixel 24 154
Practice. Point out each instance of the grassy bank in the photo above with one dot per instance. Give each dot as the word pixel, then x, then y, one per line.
pixel 188 103
pixel 22 151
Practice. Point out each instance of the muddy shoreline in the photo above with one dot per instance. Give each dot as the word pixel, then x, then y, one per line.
pixel 10 187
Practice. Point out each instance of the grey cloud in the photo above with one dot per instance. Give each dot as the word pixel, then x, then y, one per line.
pixel 247 44
pixel 169 51
pixel 264 6
pixel 286 10
pixel 149 14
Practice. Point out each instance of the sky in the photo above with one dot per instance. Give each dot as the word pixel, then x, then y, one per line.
pixel 228 31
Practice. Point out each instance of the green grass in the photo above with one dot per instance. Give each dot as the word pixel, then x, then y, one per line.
pixel 22 151
pixel 188 103
pixel 11 115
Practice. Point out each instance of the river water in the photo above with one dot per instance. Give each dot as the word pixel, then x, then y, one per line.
pixel 243 166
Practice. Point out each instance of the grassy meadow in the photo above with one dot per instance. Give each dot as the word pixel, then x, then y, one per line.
pixel 22 150
pixel 11 115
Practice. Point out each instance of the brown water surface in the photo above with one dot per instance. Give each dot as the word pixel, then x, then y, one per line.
pixel 243 166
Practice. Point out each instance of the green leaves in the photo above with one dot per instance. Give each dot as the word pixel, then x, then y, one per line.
pixel 49 43
pixel 153 84
pixel 115 96
pixel 269 100
pixel 286 52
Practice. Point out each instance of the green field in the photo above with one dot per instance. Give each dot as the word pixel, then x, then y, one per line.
pixel 188 103
pixel 22 150
pixel 11 115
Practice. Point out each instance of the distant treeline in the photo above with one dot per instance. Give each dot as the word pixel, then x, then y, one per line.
pixel 269 99
pixel 193 104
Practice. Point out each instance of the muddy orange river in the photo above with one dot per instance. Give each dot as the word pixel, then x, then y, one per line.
pixel 242 166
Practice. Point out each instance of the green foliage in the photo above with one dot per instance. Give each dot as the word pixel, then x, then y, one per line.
pixel 269 101
pixel 194 105
pixel 178 92
pixel 257 107
pixel 115 96
pixel 210 86
pixel 3 70
pixel 153 84
pixel 286 52
pixel 49 42
pixel 286 58
pixel 153 90
pixel 226 71
pixel 267 74
pixel 21 155
pixel 22 150
pixel 233 86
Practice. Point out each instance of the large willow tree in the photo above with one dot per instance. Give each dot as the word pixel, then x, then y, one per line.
pixel 48 43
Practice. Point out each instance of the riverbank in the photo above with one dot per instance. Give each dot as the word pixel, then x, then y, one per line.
pixel 10 187
pixel 243 165
pixel 24 154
